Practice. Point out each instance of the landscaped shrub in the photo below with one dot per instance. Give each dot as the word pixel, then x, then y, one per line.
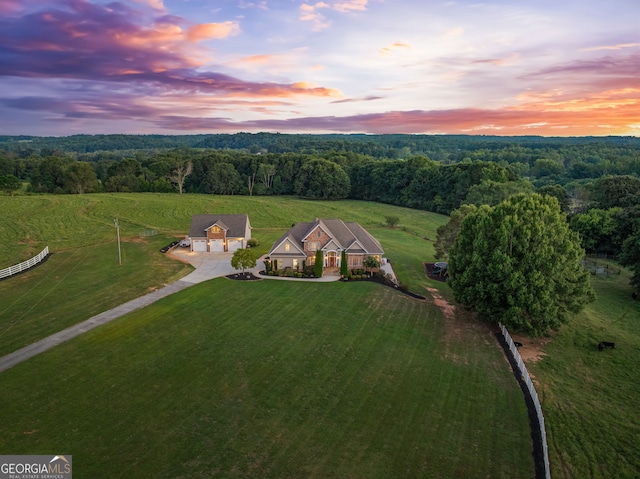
pixel 252 242
pixel 317 268
pixel 344 268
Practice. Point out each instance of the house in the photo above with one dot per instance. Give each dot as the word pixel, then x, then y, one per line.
pixel 298 246
pixel 217 233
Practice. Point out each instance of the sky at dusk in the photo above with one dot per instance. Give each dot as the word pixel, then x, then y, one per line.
pixel 495 67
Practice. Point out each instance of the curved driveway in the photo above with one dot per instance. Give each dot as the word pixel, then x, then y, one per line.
pixel 207 266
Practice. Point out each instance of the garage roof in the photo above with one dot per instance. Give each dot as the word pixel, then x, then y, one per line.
pixel 236 225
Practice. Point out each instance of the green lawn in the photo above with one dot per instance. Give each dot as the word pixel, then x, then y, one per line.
pixel 227 379
pixel 591 399
pixel 273 379
pixel 82 277
pixel 29 223
pixel 75 284
pixel 276 379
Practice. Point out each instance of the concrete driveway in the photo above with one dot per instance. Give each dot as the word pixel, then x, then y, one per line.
pixel 208 265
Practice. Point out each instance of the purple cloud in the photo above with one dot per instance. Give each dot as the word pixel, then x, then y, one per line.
pixel 80 40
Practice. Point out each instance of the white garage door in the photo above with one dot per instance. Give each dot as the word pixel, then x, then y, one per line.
pixel 216 245
pixel 235 245
pixel 199 245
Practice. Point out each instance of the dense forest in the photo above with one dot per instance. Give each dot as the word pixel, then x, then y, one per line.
pixel 595 179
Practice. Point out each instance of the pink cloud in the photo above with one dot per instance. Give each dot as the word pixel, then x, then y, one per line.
pixel 457 121
pixel 208 31
pixel 115 43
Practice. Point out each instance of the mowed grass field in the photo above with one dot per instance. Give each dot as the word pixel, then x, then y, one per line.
pixel 591 399
pixel 82 277
pixel 273 379
pixel 276 379
pixel 236 379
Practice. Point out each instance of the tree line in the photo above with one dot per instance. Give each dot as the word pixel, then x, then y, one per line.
pixel 594 180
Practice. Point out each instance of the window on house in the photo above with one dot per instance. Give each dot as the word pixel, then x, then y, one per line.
pixel 295 263
pixel 319 233
pixel 286 247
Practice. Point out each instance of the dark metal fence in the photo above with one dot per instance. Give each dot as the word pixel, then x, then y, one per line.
pixel 534 397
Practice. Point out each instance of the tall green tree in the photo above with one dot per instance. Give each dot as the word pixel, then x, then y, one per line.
pixel 322 179
pixel 222 179
pixel 612 191
pixel 9 184
pixel 447 233
pixel 631 257
pixel 491 192
pixel 600 230
pixel 317 266
pixel 519 263
pixel 80 178
pixel 344 267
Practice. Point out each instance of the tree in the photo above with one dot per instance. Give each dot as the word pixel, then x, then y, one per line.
pixel 48 175
pixel 222 179
pixel 491 192
pixel 392 221
pixel 243 259
pixel 266 173
pixel 631 257
pixel 344 267
pixel 10 184
pixel 317 266
pixel 560 193
pixel 370 263
pixel 179 175
pixel 600 230
pixel 519 263
pixel 446 234
pixel 80 178
pixel 322 179
pixel 612 191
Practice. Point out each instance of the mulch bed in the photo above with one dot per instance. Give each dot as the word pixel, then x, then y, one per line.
pixel 375 279
pixel 243 277
pixel 428 269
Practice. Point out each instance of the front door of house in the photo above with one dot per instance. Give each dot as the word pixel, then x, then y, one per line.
pixel 332 260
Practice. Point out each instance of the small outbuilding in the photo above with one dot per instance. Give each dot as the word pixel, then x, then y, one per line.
pixel 219 233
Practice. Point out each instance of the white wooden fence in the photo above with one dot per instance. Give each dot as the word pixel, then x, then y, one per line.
pixel 534 396
pixel 18 268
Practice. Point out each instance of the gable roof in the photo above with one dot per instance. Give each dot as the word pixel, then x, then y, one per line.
pixel 345 235
pixel 296 244
pixel 236 225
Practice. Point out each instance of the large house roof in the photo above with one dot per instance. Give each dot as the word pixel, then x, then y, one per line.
pixel 344 234
pixel 234 224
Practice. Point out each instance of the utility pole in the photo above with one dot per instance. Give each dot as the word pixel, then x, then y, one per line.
pixel 115 220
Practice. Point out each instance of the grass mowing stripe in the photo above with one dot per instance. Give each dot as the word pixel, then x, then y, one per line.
pixel 33 305
pixel 221 378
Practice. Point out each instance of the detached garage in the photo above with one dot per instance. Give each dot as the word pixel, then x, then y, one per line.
pixel 219 233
